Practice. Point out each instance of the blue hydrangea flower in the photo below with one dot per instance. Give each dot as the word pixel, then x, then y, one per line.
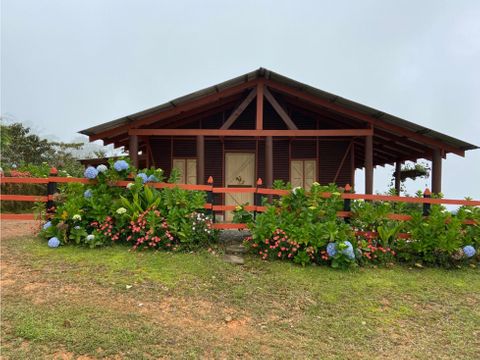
pixel 332 249
pixel 87 194
pixel 469 251
pixel 143 176
pixel 90 172
pixel 349 250
pixel 152 178
pixel 53 242
pixel 102 168
pixel 120 165
pixel 47 225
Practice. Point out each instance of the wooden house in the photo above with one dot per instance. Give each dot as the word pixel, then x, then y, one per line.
pixel 265 125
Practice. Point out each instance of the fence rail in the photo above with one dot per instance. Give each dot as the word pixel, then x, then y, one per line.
pixel 347 196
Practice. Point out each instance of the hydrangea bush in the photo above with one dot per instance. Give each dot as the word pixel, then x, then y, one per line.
pixel 303 227
pixel 99 214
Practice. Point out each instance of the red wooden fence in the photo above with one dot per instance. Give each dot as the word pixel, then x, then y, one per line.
pixel 347 195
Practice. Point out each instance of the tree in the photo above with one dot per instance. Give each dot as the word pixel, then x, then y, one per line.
pixel 23 147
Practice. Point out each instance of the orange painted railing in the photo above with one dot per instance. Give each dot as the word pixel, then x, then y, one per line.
pixel 346 196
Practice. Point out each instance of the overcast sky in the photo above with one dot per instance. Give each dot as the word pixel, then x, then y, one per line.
pixel 69 65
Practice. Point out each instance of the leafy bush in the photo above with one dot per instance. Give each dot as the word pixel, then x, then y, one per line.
pixel 299 226
pixel 99 213
pixel 304 228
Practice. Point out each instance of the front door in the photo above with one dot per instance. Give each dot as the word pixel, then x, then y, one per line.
pixel 239 172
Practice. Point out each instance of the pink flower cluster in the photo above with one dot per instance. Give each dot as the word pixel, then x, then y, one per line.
pixel 144 233
pixel 375 250
pixel 279 246
pixel 106 228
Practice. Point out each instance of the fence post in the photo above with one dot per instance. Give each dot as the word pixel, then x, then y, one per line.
pixel 427 194
pixel 347 203
pixel 51 190
pixel 257 199
pixel 210 198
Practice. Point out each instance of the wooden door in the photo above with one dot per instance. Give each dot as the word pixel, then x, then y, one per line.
pixel 303 173
pixel 239 172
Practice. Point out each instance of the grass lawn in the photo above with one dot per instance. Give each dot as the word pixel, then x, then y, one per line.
pixel 112 303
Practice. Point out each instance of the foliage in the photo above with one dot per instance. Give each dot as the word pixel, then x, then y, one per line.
pixel 24 151
pixel 99 213
pixel 299 226
pixel 409 171
pixel 303 227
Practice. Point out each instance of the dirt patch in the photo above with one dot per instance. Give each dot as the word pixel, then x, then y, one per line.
pixel 18 228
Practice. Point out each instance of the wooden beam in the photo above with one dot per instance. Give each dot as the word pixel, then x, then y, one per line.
pixel 352 165
pixel 239 110
pixel 133 149
pixel 269 161
pixel 259 115
pixel 229 132
pixel 398 183
pixel 368 165
pixel 367 118
pixel 437 171
pixel 200 159
pixel 279 109
pixel 190 105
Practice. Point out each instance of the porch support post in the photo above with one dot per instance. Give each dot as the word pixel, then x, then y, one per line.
pixel 437 171
pixel 269 162
pixel 369 164
pixel 398 169
pixel 133 149
pixel 200 159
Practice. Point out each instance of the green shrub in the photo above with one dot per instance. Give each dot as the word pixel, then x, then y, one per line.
pixel 99 214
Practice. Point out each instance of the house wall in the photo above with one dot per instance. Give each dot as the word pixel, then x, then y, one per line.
pixel 330 155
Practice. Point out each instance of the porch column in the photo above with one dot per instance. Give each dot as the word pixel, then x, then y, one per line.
pixel 369 164
pixel 133 149
pixel 437 171
pixel 398 169
pixel 200 159
pixel 269 162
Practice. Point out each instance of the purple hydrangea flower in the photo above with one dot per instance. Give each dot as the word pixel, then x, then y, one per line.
pixel 87 194
pixel 120 165
pixel 349 250
pixel 91 172
pixel 332 249
pixel 469 251
pixel 143 176
pixel 47 225
pixel 53 242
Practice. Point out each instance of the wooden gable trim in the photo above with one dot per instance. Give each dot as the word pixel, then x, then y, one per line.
pixel 369 119
pixel 191 105
pixel 239 110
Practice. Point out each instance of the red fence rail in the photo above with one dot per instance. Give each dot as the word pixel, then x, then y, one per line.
pixel 346 196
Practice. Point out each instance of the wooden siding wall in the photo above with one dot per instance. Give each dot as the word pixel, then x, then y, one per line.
pixel 303 149
pixel 184 148
pixel 271 120
pixel 214 161
pixel 331 154
pixel 161 150
pixel 281 165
